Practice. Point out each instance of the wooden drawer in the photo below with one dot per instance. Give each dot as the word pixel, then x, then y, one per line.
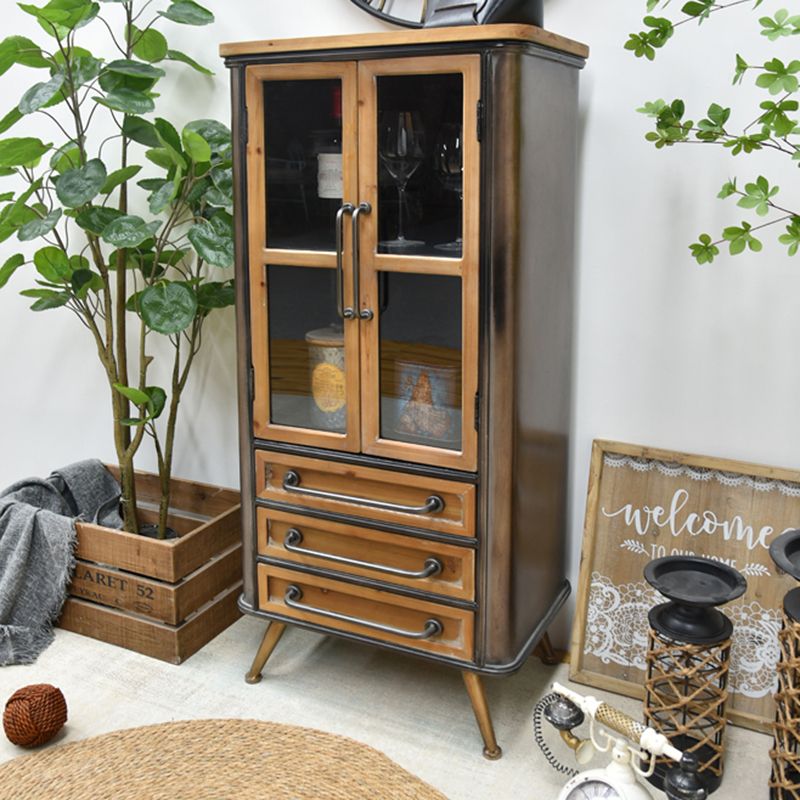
pixel 367 612
pixel 369 493
pixel 382 555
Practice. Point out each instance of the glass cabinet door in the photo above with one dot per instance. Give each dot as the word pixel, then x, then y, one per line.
pixel 418 260
pixel 302 175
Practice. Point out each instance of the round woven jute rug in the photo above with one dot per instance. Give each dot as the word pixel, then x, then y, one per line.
pixel 212 760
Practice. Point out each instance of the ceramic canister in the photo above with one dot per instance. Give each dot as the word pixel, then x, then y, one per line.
pixel 327 377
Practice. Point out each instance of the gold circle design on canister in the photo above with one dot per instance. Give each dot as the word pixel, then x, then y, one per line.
pixel 327 387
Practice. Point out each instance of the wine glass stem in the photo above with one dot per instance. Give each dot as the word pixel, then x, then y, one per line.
pixel 401 199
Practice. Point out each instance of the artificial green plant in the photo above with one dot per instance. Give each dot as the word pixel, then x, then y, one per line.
pixel 772 127
pixel 131 219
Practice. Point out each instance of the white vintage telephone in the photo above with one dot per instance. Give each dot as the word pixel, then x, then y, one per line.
pixel 566 710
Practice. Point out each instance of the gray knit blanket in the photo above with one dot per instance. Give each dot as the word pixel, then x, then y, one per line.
pixel 37 544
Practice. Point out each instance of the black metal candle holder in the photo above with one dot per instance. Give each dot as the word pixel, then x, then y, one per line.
pixel 688 657
pixel 784 783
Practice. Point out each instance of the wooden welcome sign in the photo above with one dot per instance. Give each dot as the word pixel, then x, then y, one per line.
pixel 645 503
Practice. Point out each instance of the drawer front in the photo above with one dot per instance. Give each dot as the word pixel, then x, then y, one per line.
pixel 411 500
pixel 419 624
pixel 443 569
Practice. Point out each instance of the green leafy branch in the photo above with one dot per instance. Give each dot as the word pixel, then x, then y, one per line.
pixel 659 30
pixel 758 197
pixel 99 260
pixel 774 127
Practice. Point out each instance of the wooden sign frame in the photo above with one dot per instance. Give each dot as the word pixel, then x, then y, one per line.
pixel 644 503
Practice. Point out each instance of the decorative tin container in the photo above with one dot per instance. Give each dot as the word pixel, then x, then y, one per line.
pixel 327 378
pixel 429 408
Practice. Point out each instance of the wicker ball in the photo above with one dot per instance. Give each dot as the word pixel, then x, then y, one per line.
pixel 34 714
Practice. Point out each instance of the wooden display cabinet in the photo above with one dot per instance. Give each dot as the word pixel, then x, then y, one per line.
pixel 405 214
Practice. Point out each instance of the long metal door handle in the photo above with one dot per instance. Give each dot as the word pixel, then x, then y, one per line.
pixel 344 313
pixel 294 538
pixel 294 595
pixel 291 483
pixel 365 313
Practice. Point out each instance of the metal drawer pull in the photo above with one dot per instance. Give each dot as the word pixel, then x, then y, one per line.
pixel 291 483
pixel 294 595
pixel 294 538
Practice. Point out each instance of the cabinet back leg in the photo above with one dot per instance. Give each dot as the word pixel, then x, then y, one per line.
pixel 472 681
pixel 544 650
pixel 271 637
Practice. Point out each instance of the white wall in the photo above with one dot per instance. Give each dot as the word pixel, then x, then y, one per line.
pixel 701 359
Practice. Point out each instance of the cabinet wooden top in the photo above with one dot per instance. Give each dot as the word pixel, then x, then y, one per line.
pixel 475 33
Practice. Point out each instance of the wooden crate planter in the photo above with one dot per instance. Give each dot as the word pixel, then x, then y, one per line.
pixel 165 599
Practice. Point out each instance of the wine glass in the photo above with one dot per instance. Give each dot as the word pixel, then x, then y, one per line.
pixel 402 150
pixel 449 167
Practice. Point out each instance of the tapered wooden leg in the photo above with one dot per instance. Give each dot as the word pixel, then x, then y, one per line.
pixel 491 749
pixel 271 638
pixel 544 650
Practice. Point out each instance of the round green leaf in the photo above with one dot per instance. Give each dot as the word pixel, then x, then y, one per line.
pixel 177 55
pixel 85 281
pixel 66 157
pixel 168 307
pixel 141 131
pixel 187 12
pixel 216 295
pixel 156 401
pixel 10 119
pixel 119 177
pixel 47 298
pixel 85 67
pixel 215 133
pixel 129 231
pixel 196 146
pixel 21 152
pixel 134 69
pixel 95 219
pixel 151 45
pixel 20 50
pixel 163 196
pixel 128 101
pixel 39 227
pixel 41 94
pixel 136 396
pixel 213 240
pixel 77 187
pixel 52 264
pixel 10 267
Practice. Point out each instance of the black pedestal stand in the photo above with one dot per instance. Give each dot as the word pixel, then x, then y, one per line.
pixel 688 658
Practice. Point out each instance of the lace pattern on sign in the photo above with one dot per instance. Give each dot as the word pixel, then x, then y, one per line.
pixel 617 628
pixel 672 469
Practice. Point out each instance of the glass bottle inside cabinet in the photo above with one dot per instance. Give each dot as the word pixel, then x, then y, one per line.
pixel 303 162
pixel 420 164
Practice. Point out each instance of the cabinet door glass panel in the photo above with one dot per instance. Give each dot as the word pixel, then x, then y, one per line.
pixel 306 350
pixel 420 359
pixel 420 164
pixel 303 162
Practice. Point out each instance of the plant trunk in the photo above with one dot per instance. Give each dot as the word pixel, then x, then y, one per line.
pixel 165 475
pixel 127 479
